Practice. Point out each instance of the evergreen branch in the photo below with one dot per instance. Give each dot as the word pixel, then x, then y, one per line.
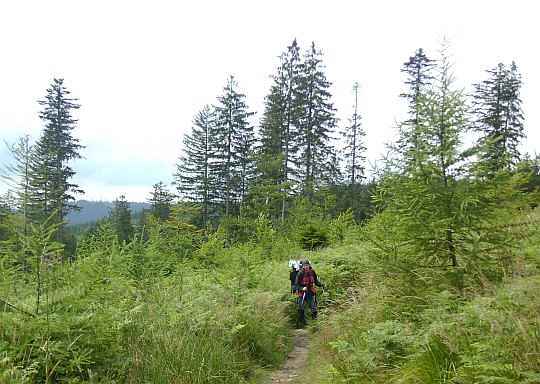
pixel 15 308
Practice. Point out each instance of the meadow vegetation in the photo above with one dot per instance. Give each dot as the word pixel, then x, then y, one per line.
pixel 146 312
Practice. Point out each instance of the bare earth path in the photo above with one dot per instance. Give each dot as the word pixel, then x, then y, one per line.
pixel 296 360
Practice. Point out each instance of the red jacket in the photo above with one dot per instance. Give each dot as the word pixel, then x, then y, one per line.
pixel 306 279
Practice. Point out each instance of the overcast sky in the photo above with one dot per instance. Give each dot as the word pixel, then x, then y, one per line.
pixel 142 70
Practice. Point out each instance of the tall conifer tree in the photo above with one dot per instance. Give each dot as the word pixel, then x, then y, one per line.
pixel 18 177
pixel 499 118
pixel 121 218
pixel 233 158
pixel 419 71
pixel 50 181
pixel 444 112
pixel 315 164
pixel 428 199
pixel 279 128
pixel 354 149
pixel 161 201
pixel 194 178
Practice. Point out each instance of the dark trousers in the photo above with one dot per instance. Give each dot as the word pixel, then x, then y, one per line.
pixel 310 301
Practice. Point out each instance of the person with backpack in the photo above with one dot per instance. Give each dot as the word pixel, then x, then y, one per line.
pixel 304 285
pixel 295 267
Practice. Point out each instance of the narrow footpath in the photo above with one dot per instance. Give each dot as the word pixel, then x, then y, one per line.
pixel 296 360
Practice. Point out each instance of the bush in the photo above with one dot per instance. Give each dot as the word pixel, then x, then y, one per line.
pixel 312 237
pixel 340 226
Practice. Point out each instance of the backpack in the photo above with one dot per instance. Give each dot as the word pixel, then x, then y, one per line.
pixel 295 267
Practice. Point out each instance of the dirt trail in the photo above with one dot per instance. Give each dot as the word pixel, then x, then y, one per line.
pixel 295 361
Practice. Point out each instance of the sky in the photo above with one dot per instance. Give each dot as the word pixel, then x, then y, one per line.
pixel 143 69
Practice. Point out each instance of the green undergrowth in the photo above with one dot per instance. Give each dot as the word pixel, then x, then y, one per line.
pixel 212 329
pixel 136 314
pixel 390 324
pixel 221 313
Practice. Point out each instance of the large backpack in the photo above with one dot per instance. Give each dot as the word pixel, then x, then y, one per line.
pixel 295 267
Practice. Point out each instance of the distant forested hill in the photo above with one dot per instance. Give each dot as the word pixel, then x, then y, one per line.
pixel 95 210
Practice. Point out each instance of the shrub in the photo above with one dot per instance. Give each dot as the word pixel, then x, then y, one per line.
pixel 312 237
pixel 339 226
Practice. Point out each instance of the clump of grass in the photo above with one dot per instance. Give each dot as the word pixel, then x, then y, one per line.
pixel 207 328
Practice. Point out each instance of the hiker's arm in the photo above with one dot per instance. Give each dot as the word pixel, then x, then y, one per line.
pixel 297 285
pixel 316 280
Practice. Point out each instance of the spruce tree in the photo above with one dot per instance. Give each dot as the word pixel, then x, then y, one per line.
pixel 121 219
pixel 419 71
pixel 244 148
pixel 194 177
pixel 18 177
pixel 499 118
pixel 232 162
pixel 354 149
pixel 278 131
pixel 444 112
pixel 51 174
pixel 161 202
pixel 428 201
pixel 316 161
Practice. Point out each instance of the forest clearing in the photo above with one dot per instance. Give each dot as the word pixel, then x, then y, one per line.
pixel 431 265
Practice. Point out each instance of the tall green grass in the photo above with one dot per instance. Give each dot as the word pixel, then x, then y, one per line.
pixel 201 330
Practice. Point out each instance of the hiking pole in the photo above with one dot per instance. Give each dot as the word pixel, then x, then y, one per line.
pixel 300 305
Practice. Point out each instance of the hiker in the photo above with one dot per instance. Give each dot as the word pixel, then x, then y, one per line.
pixel 305 283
